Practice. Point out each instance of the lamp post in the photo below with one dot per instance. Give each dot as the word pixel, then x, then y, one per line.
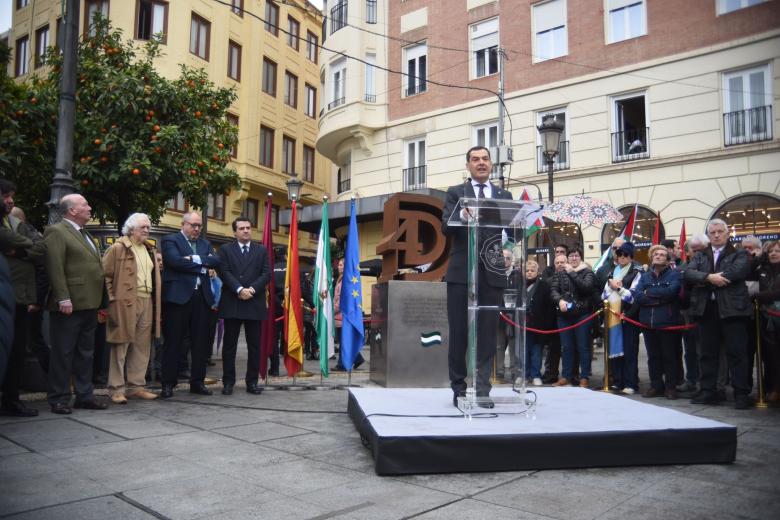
pixel 294 186
pixel 550 130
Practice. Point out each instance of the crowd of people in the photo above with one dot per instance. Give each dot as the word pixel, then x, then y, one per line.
pixel 697 318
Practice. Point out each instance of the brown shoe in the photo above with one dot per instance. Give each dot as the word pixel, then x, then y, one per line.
pixel 584 383
pixel 561 382
pixel 670 393
pixel 118 399
pixel 143 394
pixel 652 392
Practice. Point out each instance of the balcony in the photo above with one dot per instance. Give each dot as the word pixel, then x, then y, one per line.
pixel 747 126
pixel 419 88
pixel 370 11
pixel 369 98
pixel 343 182
pixel 336 103
pixel 561 161
pixel 630 145
pixel 338 17
pixel 413 178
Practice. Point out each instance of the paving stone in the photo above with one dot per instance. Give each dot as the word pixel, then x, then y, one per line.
pixel 646 508
pixel 303 475
pixel 462 484
pixel 23 494
pixel 284 508
pixel 60 433
pixel 135 425
pixel 91 509
pixel 469 509
pixel 263 431
pixel 9 448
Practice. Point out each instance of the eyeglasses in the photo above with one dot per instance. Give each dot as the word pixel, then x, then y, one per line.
pixel 194 225
pixel 620 253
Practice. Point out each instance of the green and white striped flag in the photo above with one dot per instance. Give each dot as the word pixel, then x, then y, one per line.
pixel 323 298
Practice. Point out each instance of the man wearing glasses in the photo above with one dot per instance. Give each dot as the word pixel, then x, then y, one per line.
pixel 187 301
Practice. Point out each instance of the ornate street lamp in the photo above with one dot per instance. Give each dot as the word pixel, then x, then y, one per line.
pixel 550 130
pixel 294 188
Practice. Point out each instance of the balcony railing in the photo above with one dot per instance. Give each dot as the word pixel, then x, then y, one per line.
pixel 370 11
pixel 369 98
pixel 322 112
pixel 747 126
pixel 630 145
pixel 335 103
pixel 561 161
pixel 338 17
pixel 343 184
pixel 414 178
pixel 417 88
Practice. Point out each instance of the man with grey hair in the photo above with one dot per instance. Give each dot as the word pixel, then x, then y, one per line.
pixel 720 304
pixel 77 292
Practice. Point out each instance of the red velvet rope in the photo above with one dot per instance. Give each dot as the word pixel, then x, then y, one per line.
pixel 636 323
pixel 554 331
pixel 772 313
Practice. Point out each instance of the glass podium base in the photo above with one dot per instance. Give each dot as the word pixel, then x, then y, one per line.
pixel 518 404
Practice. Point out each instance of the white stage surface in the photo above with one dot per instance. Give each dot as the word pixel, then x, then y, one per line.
pixel 414 430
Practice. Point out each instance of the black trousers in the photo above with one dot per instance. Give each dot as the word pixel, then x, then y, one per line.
pixel 230 345
pixel 662 358
pixel 487 325
pixel 191 319
pixel 72 348
pixel 729 332
pixel 15 367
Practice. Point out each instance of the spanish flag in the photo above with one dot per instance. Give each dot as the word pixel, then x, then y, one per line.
pixel 293 310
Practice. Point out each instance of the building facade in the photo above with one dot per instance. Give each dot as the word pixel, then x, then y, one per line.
pixel 267 51
pixel 665 104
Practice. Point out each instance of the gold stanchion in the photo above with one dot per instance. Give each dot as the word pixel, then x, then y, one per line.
pixel 761 403
pixel 606 346
pixel 493 379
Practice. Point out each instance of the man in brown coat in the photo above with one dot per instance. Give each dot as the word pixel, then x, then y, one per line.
pixel 134 287
pixel 77 292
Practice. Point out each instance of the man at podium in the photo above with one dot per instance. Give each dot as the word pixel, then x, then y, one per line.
pixel 490 282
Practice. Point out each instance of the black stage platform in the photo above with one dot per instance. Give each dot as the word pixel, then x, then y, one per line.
pixel 570 428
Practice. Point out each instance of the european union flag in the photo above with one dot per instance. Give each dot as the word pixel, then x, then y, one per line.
pixel 351 295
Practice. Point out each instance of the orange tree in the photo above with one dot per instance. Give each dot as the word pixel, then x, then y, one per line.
pixel 139 138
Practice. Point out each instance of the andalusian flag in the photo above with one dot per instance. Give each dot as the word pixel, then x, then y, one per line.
pixel 293 309
pixel 534 221
pixel 323 293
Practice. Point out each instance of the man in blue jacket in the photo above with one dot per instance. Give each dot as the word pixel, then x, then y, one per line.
pixel 187 302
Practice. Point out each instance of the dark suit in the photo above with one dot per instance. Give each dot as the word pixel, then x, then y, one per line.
pixel 490 288
pixel 243 270
pixel 76 274
pixel 186 309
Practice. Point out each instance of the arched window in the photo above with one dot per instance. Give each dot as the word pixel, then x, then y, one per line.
pixel 644 228
pixel 755 214
pixel 543 241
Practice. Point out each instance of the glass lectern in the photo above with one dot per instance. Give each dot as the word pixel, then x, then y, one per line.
pixel 496 246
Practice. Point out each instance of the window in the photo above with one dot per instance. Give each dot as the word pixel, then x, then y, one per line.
pixel 60 33
pixel 250 209
pixel 177 203
pixel 484 45
pixel 747 104
pixel 561 161
pixel 274 217
pixel 41 44
pixel 151 19
pixel 269 77
pixel 237 7
pixel 200 34
pixel 343 178
pixel 266 146
pixel 216 206
pixel 290 89
pixel 370 87
pixel 339 75
pixel 311 101
pixel 234 60
pixel 272 18
pixel 631 136
pixel 308 163
pixel 414 173
pixel 338 16
pixel 644 227
pixel 311 46
pixel 22 56
pixel 288 154
pixel 755 214
pixel 370 11
pixel 549 20
pixel 93 7
pixel 22 3
pixel 627 19
pixel 233 120
pixel 486 135
pixel 727 6
pixel 415 58
pixel 293 32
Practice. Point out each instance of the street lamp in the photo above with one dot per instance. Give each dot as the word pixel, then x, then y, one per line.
pixel 294 188
pixel 550 130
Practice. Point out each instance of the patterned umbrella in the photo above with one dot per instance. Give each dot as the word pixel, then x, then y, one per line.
pixel 582 210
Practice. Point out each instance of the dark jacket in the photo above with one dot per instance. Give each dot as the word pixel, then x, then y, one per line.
pixel 577 287
pixel 456 270
pixel 540 310
pixel 768 276
pixel 239 270
pixel 657 296
pixel 179 274
pixel 733 300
